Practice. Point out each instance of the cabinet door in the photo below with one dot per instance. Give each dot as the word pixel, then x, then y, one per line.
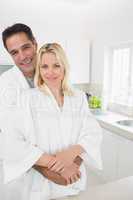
pixel 125 158
pixel 117 156
pixel 109 156
pixel 78 52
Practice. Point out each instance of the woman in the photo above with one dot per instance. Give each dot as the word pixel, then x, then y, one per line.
pixel 51 126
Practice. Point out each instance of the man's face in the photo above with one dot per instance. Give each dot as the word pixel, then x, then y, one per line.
pixel 23 51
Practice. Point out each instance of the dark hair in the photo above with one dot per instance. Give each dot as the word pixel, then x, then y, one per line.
pixel 17 28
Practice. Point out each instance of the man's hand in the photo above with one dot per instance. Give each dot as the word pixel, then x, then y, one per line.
pixel 58 178
pixel 52 176
pixel 78 160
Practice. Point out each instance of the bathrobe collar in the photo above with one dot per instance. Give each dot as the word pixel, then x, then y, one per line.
pixel 19 77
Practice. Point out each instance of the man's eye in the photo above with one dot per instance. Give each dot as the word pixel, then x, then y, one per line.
pixel 27 47
pixel 13 53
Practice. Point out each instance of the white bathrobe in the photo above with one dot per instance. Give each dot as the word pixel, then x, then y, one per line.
pixel 38 125
pixel 10 83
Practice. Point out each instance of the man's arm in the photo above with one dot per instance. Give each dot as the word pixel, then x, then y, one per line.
pixel 78 160
pixel 53 176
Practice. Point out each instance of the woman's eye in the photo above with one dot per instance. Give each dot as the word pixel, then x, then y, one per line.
pixel 57 65
pixel 44 66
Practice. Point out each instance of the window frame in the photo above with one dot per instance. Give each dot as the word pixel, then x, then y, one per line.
pixel 108 74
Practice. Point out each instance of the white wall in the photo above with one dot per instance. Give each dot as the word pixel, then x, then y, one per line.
pixel 108 35
pixel 53 20
pixel 116 27
pixel 50 20
pixel 102 22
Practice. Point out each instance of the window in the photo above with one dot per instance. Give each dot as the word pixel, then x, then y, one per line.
pixel 118 78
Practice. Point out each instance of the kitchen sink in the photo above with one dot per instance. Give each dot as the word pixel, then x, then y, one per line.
pixel 127 122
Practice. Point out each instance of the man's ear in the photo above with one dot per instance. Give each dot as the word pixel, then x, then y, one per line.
pixel 35 43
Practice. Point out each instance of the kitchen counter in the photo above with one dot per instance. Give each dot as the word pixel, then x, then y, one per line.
pixel 116 190
pixel 108 121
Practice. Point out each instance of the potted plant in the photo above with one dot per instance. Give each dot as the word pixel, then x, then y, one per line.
pixel 95 104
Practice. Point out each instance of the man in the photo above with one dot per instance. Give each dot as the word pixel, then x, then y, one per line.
pixel 22 46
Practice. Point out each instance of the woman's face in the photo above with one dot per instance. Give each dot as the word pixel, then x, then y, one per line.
pixel 51 71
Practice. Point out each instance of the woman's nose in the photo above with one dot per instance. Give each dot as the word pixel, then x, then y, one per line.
pixel 50 71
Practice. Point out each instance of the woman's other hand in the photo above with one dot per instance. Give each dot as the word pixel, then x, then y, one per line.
pixel 62 160
pixel 45 160
pixel 65 158
pixel 71 173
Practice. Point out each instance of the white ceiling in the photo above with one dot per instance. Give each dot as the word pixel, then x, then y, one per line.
pixel 65 14
pixel 65 18
pixel 96 8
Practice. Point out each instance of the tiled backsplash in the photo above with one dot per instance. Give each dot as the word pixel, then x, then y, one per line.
pixel 83 86
pixel 91 88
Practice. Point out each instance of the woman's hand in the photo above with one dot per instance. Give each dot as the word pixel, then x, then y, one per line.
pixel 62 160
pixel 65 158
pixel 71 173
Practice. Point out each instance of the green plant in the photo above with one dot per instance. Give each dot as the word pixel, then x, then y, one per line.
pixel 95 102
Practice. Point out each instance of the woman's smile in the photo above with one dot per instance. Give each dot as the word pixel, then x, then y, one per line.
pixel 51 71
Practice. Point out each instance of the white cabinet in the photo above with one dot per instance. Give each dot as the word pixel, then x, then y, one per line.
pixel 117 156
pixel 109 156
pixel 125 158
pixel 78 52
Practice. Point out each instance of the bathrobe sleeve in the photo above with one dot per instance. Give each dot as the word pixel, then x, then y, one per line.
pixel 20 151
pixel 90 137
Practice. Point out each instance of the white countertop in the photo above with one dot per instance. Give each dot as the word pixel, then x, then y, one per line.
pixel 108 121
pixel 117 190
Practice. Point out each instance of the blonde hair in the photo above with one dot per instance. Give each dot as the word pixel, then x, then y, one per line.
pixel 58 51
